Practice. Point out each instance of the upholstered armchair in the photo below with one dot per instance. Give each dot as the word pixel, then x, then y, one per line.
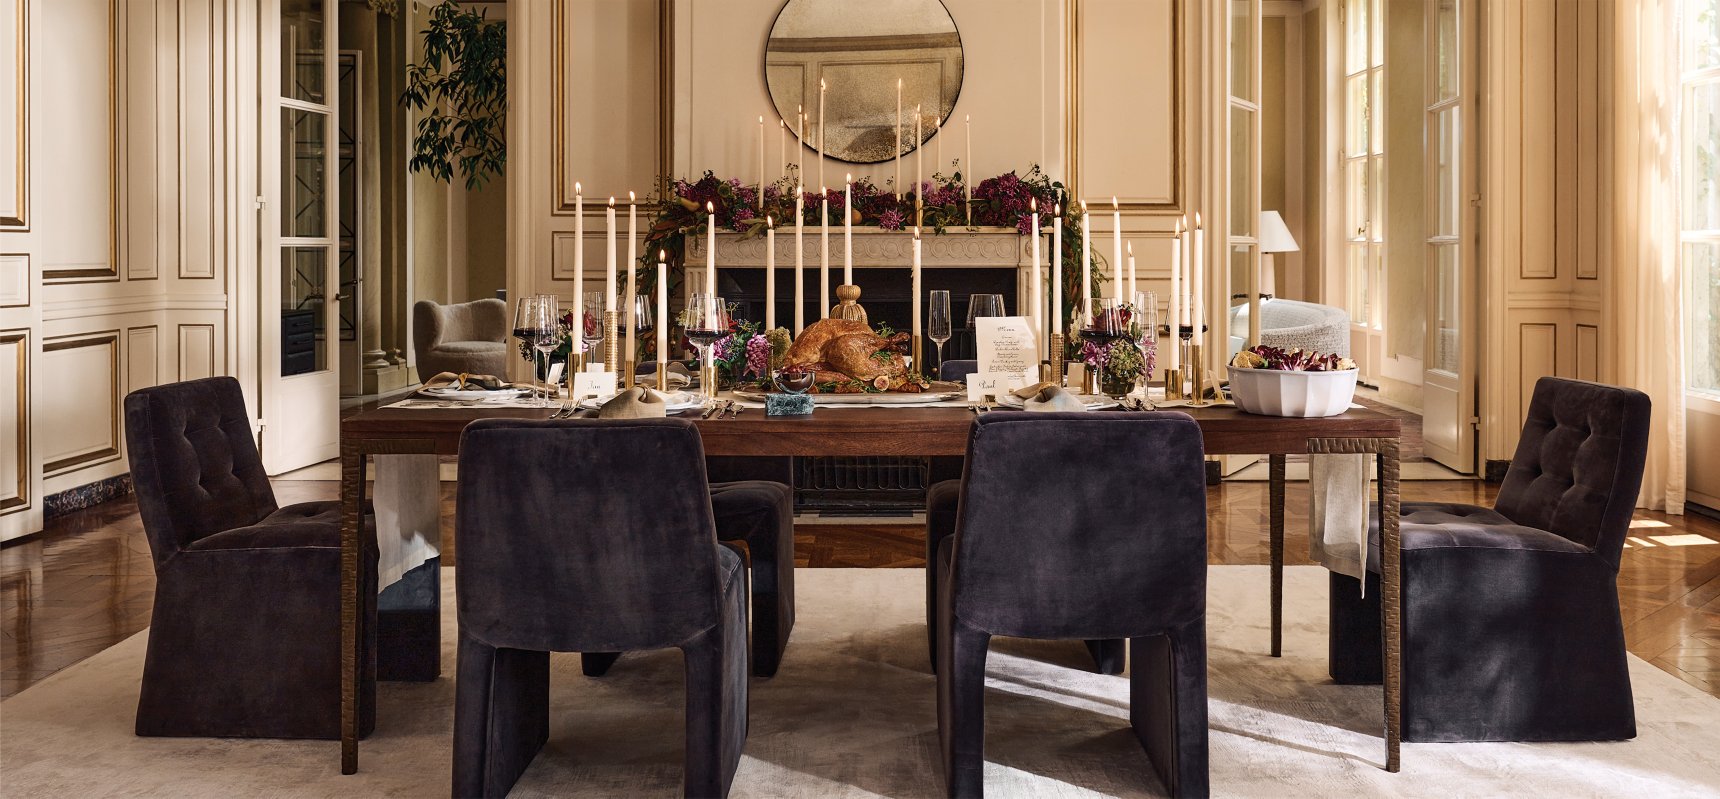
pixel 615 551
pixel 1510 614
pixel 465 337
pixel 244 638
pixel 1078 526
pixel 957 370
pixel 1290 324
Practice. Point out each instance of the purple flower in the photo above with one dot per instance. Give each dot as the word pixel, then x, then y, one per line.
pixel 891 220
pixel 742 216
pixel 758 355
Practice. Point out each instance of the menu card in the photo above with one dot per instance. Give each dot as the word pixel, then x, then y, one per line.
pixel 1007 347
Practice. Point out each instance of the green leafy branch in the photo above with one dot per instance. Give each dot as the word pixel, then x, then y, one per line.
pixel 463 85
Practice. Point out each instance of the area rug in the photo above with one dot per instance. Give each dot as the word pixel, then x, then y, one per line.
pixel 851 714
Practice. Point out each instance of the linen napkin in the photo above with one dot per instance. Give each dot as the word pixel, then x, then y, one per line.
pixel 1054 398
pixel 1338 513
pixel 678 378
pixel 634 403
pixel 465 380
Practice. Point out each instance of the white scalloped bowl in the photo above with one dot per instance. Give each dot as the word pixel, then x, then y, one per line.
pixel 1277 392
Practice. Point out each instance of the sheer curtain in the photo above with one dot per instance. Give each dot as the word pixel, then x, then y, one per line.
pixel 1643 302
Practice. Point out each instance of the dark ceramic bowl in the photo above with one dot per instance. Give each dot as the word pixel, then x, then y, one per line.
pixel 794 382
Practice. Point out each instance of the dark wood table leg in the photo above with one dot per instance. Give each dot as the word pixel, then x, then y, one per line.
pixel 1391 596
pixel 352 462
pixel 1276 481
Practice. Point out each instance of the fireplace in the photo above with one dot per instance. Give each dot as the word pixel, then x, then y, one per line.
pixel 965 262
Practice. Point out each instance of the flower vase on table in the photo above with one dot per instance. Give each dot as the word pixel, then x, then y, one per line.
pixel 1112 346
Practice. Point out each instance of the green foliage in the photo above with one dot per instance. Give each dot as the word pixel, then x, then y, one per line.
pixel 463 85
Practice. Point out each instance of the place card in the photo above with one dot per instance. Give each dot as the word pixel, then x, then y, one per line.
pixel 982 386
pixel 593 384
pixel 555 370
pixel 1006 345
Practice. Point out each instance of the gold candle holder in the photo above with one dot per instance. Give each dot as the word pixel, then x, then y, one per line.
pixel 663 377
pixel 629 378
pixel 612 341
pixel 1173 384
pixel 1059 364
pixel 919 362
pixel 575 365
pixel 1197 379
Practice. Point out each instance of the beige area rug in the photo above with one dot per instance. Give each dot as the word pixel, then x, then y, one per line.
pixel 851 714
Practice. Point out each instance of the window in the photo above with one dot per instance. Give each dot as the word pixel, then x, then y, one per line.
pixel 1699 193
pixel 1364 59
pixel 1243 154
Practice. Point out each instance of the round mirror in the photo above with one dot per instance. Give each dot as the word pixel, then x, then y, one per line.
pixel 861 51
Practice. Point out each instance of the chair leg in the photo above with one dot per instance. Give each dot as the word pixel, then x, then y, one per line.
pixel 716 677
pixel 1167 705
pixel 772 575
pixel 1353 644
pixel 596 664
pixel 1108 654
pixel 961 703
pixel 501 716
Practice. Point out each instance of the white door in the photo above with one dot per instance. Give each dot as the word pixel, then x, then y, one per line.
pixel 1448 378
pixel 300 337
pixel 1363 57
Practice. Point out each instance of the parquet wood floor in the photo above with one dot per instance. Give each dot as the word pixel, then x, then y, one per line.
pixel 87 582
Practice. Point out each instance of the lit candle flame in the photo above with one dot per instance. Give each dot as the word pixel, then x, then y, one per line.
pixel 612 202
pixel 631 198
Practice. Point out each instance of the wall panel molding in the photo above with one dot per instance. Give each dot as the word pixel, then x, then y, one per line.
pixel 14 280
pixel 88 365
pixel 15 181
pixel 562 201
pixel 108 272
pixel 142 357
pixel 15 369
pixel 197 351
pixel 1118 150
pixel 1588 352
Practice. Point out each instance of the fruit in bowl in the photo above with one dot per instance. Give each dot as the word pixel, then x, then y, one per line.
pixel 1275 382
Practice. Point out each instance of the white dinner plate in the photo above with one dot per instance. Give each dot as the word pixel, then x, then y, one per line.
pixel 471 394
pixel 1093 403
pixel 673 402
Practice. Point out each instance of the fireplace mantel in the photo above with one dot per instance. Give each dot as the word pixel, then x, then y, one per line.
pixel 970 248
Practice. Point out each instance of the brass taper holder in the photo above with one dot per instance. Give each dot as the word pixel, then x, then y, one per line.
pixel 1059 364
pixel 1173 384
pixel 1197 379
pixel 612 342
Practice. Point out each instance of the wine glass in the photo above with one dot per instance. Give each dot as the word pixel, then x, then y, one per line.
pixel 984 305
pixel 938 323
pixel 644 324
pixel 1144 323
pixel 1107 321
pixel 707 322
pixel 547 338
pixel 525 328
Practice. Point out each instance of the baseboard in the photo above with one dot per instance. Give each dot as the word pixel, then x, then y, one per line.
pixel 1495 471
pixel 85 496
pixel 1707 507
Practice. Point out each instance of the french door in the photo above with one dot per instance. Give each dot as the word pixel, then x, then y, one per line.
pixel 300 246
pixel 1363 59
pixel 1448 376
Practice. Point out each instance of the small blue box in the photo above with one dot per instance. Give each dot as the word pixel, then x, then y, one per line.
pixel 788 405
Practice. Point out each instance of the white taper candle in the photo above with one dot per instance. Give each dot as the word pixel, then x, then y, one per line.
pixel 769 272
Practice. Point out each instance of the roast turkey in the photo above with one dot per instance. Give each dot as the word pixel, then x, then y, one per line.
pixel 847 356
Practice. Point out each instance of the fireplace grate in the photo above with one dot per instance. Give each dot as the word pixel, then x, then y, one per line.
pixel 862 484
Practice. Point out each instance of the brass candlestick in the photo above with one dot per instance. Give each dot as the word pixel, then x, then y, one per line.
pixel 575 365
pixel 1197 379
pixel 1059 363
pixel 629 378
pixel 612 341
pixel 1173 384
pixel 663 377
pixel 919 364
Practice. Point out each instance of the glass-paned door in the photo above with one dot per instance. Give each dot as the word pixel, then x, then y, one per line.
pixel 1363 171
pixel 301 356
pixel 1242 255
pixel 1448 372
pixel 1699 200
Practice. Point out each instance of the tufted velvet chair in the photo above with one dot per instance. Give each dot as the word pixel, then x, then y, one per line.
pixel 590 535
pixel 1510 614
pixel 244 638
pixel 957 370
pixel 1079 526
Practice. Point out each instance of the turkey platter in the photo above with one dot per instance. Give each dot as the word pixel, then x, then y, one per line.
pixel 848 357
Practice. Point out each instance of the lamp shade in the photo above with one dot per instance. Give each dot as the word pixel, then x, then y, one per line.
pixel 1274 236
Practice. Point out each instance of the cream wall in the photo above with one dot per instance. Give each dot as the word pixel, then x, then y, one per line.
pixel 125 250
pixel 672 88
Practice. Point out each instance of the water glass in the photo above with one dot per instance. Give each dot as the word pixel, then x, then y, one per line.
pixel 938 322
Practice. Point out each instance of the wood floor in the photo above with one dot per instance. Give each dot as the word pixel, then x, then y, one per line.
pixel 87 582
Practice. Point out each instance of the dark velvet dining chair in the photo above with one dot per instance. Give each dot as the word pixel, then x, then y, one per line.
pixel 590 535
pixel 956 371
pixel 1078 526
pixel 244 637
pixel 1511 628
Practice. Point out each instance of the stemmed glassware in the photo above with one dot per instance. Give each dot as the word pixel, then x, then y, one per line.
pixel 591 322
pixel 546 338
pixel 644 323
pixel 938 322
pixel 707 322
pixel 526 328
pixel 1107 321
pixel 984 305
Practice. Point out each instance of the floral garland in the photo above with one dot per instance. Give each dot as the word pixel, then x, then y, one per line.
pixel 1002 201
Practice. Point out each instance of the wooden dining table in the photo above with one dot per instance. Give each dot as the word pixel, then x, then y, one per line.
pixel 912 432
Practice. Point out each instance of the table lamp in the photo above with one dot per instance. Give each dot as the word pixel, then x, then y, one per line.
pixel 1274 237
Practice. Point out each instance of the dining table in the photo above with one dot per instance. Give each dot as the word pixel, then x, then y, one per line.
pixel 901 432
